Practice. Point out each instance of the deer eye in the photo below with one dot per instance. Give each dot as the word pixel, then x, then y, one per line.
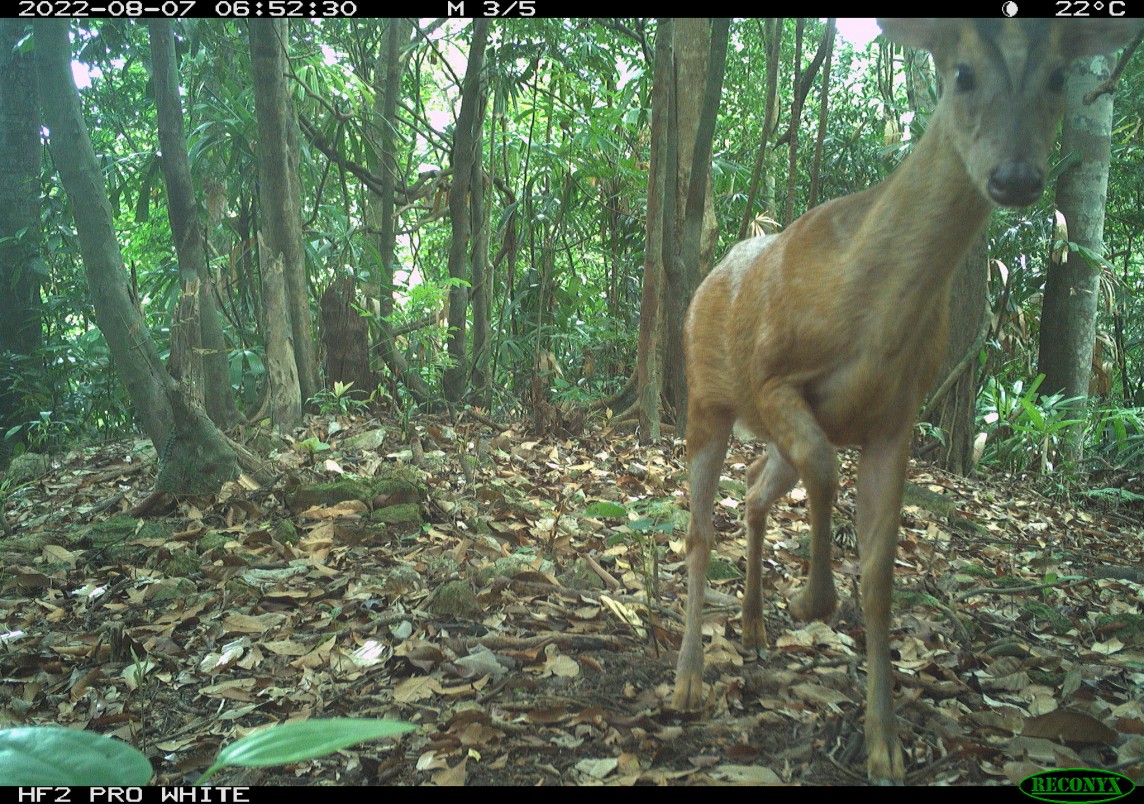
pixel 1057 80
pixel 964 78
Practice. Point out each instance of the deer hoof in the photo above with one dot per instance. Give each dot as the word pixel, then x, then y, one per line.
pixel 884 765
pixel 754 635
pixel 688 692
pixel 808 606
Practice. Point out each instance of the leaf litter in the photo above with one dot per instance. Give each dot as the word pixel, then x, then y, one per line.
pixel 522 607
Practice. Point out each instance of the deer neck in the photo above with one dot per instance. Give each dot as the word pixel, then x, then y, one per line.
pixel 931 211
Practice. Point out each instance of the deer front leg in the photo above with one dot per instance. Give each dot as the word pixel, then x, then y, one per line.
pixel 796 435
pixel 768 478
pixel 881 474
pixel 707 436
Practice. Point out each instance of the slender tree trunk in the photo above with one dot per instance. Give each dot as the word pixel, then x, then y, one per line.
pixel 648 376
pixel 823 115
pixel 345 339
pixel 203 331
pixel 482 300
pixel 699 51
pixel 795 125
pixel 955 411
pixel 1072 287
pixel 387 92
pixel 281 367
pixel 21 267
pixel 481 383
pixel 279 202
pixel 773 26
pixel 466 139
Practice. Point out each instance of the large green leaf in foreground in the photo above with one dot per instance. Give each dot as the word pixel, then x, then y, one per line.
pixel 303 739
pixel 47 756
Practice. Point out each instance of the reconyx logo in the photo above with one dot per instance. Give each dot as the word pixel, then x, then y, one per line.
pixel 1073 785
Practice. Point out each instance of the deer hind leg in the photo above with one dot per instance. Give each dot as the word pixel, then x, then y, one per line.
pixel 797 437
pixel 707 433
pixel 768 478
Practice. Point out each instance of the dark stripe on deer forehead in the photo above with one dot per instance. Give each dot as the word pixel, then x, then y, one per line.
pixel 1035 30
pixel 1017 49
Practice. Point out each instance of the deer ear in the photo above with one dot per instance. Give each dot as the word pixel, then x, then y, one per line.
pixel 1094 36
pixel 922 33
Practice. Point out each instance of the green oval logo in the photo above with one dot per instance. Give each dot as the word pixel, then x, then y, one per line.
pixel 1072 785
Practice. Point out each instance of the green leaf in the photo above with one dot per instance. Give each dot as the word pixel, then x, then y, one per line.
pixel 1112 494
pixel 302 739
pixel 608 510
pixel 52 755
pixel 1067 161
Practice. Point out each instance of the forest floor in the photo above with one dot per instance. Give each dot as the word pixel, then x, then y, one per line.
pixel 509 621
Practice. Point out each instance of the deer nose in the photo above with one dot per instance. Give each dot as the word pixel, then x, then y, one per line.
pixel 1016 184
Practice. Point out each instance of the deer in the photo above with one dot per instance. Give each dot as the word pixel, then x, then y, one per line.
pixel 830 333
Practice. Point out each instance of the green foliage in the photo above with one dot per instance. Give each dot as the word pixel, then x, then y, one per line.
pixel 314 445
pixel 642 521
pixel 53 756
pixel 657 516
pixel 1024 430
pixel 929 431
pixel 1116 438
pixel 599 352
pixel 606 510
pixel 247 372
pixel 424 347
pixel 299 740
pixel 1111 494
pixel 336 400
pixel 68 392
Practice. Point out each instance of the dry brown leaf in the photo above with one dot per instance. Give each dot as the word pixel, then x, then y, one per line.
pixel 1071 727
pixel 452 777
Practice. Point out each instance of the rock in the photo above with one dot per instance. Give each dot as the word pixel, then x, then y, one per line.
pixel 27 467
pixel 454 600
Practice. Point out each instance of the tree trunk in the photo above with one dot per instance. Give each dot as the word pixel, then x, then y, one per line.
pixel 699 51
pixel 21 267
pixel 279 201
pixel 193 456
pixel 648 376
pixel 466 139
pixel 795 125
pixel 1072 287
pixel 281 367
pixel 345 336
pixel 823 114
pixel 760 176
pixel 202 332
pixel 482 298
pixel 384 122
pixel 953 407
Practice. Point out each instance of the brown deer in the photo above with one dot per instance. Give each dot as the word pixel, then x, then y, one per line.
pixel 830 333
